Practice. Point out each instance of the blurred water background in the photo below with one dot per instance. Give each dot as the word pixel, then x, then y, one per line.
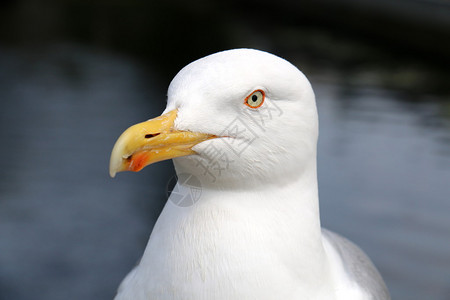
pixel 75 74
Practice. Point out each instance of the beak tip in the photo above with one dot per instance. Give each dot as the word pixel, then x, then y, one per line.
pixel 113 167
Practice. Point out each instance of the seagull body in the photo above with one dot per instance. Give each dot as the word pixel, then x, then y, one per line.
pixel 254 231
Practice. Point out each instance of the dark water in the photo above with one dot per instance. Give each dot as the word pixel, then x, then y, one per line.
pixel 68 231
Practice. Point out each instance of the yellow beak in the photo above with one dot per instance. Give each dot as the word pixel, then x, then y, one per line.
pixel 152 141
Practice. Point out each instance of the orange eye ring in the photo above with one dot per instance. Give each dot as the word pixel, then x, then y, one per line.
pixel 255 99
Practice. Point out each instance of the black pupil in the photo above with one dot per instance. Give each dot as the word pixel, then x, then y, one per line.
pixel 254 98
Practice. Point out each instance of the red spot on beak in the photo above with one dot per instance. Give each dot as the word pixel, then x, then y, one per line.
pixel 139 161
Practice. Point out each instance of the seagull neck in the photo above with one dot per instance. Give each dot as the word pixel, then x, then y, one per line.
pixel 291 202
pixel 286 211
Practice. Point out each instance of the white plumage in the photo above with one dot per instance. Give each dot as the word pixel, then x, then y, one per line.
pixel 254 232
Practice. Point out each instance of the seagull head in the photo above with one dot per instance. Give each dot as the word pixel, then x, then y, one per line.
pixel 237 117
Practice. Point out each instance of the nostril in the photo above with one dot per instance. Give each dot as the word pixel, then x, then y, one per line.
pixel 150 135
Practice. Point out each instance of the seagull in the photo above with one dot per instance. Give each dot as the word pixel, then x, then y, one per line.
pixel 242 222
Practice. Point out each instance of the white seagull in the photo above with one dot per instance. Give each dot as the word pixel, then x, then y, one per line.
pixel 241 127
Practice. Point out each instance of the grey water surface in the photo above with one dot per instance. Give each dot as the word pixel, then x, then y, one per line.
pixel 68 231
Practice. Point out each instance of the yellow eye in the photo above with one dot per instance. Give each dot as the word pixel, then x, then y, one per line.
pixel 255 99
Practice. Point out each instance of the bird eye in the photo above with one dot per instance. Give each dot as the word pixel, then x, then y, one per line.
pixel 255 99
